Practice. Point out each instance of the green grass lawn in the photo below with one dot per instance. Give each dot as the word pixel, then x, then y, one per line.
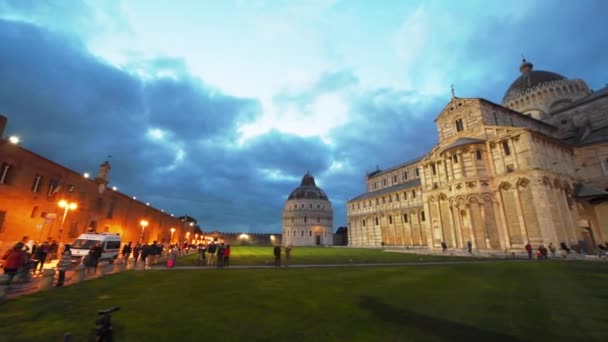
pixel 262 255
pixel 502 301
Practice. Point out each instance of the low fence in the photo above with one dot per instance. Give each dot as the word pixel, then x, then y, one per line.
pixel 25 283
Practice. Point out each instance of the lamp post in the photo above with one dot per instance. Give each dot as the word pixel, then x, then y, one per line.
pixel 67 206
pixel 143 224
pixel 172 231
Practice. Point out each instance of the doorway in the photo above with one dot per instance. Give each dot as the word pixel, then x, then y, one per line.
pixel 589 240
pixel 318 238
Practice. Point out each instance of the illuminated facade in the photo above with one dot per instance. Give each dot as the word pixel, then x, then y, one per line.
pixel 534 169
pixel 32 187
pixel 307 216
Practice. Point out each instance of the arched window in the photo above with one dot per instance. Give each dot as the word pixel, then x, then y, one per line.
pixel 422 218
pixel 305 218
pixel 363 223
pixel 405 218
pixel 390 219
pixel 318 219
pixel 478 154
pixel 376 221
pixel 302 233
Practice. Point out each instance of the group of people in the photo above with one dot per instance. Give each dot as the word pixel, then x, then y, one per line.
pixel 214 253
pixel 277 255
pixel 145 252
pixel 30 256
pixel 444 247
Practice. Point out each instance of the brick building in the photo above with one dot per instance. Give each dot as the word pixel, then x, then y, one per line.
pixel 31 188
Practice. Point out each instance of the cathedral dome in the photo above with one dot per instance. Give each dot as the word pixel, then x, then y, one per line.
pixel 539 93
pixel 308 189
pixel 529 79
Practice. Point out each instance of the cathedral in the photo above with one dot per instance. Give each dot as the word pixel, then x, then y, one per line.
pixel 533 169
pixel 307 216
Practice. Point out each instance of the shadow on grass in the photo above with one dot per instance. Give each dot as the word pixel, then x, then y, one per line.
pixel 431 326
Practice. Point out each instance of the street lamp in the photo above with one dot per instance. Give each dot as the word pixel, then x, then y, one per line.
pixel 67 206
pixel 143 224
pixel 172 231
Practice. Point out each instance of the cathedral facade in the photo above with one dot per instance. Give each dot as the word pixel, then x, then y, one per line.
pixel 532 169
pixel 307 216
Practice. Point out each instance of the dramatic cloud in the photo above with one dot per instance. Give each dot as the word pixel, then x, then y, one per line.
pixel 218 111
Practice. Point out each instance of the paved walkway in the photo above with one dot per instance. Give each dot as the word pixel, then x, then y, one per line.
pixel 411 263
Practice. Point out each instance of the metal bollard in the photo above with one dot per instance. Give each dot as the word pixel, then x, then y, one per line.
pixel 46 281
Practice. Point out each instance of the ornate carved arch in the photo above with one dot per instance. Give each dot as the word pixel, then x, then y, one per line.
pixel 488 197
pixel 473 199
pixel 443 197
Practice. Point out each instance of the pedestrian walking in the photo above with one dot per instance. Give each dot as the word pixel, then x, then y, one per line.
pixel 227 256
pixel 220 255
pixel 41 253
pixel 528 248
pixel 444 246
pixel 14 259
pixel 552 249
pixel 202 259
pixel 277 256
pixel 470 247
pixel 64 264
pixel 136 252
pixel 126 251
pixel 287 255
pixel 211 249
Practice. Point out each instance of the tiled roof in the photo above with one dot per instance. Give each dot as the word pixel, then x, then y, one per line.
pixel 393 168
pixel 586 191
pixel 397 187
pixel 463 141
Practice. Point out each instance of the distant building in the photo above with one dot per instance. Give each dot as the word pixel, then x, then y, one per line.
pixel 32 186
pixel 341 237
pixel 308 216
pixel 532 169
pixel 247 239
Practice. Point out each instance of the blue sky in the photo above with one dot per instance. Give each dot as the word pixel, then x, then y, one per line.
pixel 218 108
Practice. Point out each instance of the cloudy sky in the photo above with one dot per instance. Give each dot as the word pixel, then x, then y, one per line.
pixel 218 108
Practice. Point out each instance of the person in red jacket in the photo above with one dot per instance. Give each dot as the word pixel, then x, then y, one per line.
pixel 14 259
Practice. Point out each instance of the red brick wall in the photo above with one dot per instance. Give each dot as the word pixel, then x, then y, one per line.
pixel 24 209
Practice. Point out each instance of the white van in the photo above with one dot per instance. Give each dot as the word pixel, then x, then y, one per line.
pixel 110 245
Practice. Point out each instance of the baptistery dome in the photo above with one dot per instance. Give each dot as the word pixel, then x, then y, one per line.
pixel 308 189
pixel 308 216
